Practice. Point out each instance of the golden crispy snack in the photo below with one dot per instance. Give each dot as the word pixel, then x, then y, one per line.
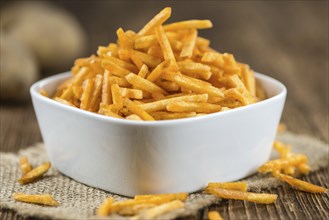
pixel 159 210
pixel 43 199
pixel 63 101
pixel 162 104
pixel 24 165
pixel 173 196
pixel 155 63
pixel 262 198
pixel 159 19
pixel 163 115
pixel 144 84
pixel 35 174
pixel 105 208
pixel 214 215
pixel 190 24
pixel 239 186
pixel 193 107
pixel 136 209
pixel 189 44
pixel 164 44
pixel 300 184
pixel 134 117
pixel 135 109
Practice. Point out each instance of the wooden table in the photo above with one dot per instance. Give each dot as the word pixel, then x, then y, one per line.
pixel 286 40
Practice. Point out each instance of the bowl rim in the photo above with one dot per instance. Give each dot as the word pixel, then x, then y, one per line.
pixel 34 91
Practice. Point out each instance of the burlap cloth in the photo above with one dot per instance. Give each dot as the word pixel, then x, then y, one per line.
pixel 79 201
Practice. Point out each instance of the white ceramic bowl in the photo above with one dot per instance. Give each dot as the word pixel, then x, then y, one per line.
pixel 131 157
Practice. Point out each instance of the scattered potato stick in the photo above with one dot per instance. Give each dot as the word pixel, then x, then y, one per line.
pixel 279 164
pixel 193 107
pixel 144 84
pixel 164 44
pixel 24 165
pixel 35 174
pixel 159 210
pixel 134 108
pixel 189 24
pixel 239 186
pixel 43 199
pixel 214 215
pixel 134 117
pixel 105 208
pixel 283 150
pixel 162 115
pixel 63 101
pixel 127 204
pixel 157 20
pixel 173 196
pixel 262 198
pixel 87 93
pixel 189 44
pixel 300 184
pixel 162 104
pixel 304 168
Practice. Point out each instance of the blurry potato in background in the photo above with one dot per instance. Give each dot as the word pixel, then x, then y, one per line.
pixel 54 35
pixel 36 34
pixel 18 69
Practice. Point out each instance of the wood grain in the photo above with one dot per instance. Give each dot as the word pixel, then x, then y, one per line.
pixel 287 40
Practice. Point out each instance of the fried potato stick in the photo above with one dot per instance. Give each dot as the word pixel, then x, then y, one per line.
pixel 35 173
pixel 262 198
pixel 43 199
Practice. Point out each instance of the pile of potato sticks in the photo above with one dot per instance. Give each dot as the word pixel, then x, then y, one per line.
pixel 161 72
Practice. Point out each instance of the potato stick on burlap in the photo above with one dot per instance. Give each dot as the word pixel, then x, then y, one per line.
pixel 43 199
pixel 35 174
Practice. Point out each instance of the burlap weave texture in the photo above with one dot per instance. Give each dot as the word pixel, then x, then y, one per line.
pixel 79 201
